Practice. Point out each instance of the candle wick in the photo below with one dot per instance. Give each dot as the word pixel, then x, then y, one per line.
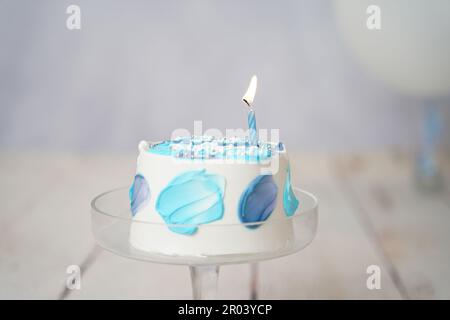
pixel 247 103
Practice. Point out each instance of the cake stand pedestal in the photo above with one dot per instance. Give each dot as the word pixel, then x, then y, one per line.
pixel 111 224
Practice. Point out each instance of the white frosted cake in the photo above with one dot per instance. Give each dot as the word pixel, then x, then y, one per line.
pixel 202 196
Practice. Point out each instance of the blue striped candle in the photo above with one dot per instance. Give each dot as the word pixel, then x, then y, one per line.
pixel 253 134
pixel 251 119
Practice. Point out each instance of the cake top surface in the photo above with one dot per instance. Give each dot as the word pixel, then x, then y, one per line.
pixel 210 148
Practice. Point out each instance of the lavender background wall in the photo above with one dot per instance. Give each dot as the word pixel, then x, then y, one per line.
pixel 139 69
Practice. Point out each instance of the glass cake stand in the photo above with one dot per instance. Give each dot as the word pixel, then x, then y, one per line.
pixel 111 224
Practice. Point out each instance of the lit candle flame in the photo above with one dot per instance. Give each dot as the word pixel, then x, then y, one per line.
pixel 249 96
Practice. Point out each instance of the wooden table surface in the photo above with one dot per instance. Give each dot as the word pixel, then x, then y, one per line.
pixel 370 214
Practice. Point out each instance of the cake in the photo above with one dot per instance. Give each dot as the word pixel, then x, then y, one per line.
pixel 205 196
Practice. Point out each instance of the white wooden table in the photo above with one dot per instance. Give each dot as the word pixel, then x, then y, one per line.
pixel 370 213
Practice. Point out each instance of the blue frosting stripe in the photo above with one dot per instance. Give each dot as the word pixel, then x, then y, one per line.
pixel 139 193
pixel 258 201
pixel 207 147
pixel 193 197
pixel 290 202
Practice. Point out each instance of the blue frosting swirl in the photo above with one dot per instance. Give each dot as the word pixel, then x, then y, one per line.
pixel 192 198
pixel 139 194
pixel 290 202
pixel 258 200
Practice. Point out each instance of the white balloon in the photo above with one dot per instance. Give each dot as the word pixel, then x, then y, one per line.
pixel 411 51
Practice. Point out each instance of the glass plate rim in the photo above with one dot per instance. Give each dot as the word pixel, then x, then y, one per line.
pixel 96 210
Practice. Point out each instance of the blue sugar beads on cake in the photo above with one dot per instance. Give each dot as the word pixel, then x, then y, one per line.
pixel 207 147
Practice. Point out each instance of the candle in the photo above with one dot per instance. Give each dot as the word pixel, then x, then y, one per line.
pixel 251 119
pixel 248 98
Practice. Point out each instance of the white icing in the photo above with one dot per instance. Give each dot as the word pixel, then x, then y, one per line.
pixel 225 236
